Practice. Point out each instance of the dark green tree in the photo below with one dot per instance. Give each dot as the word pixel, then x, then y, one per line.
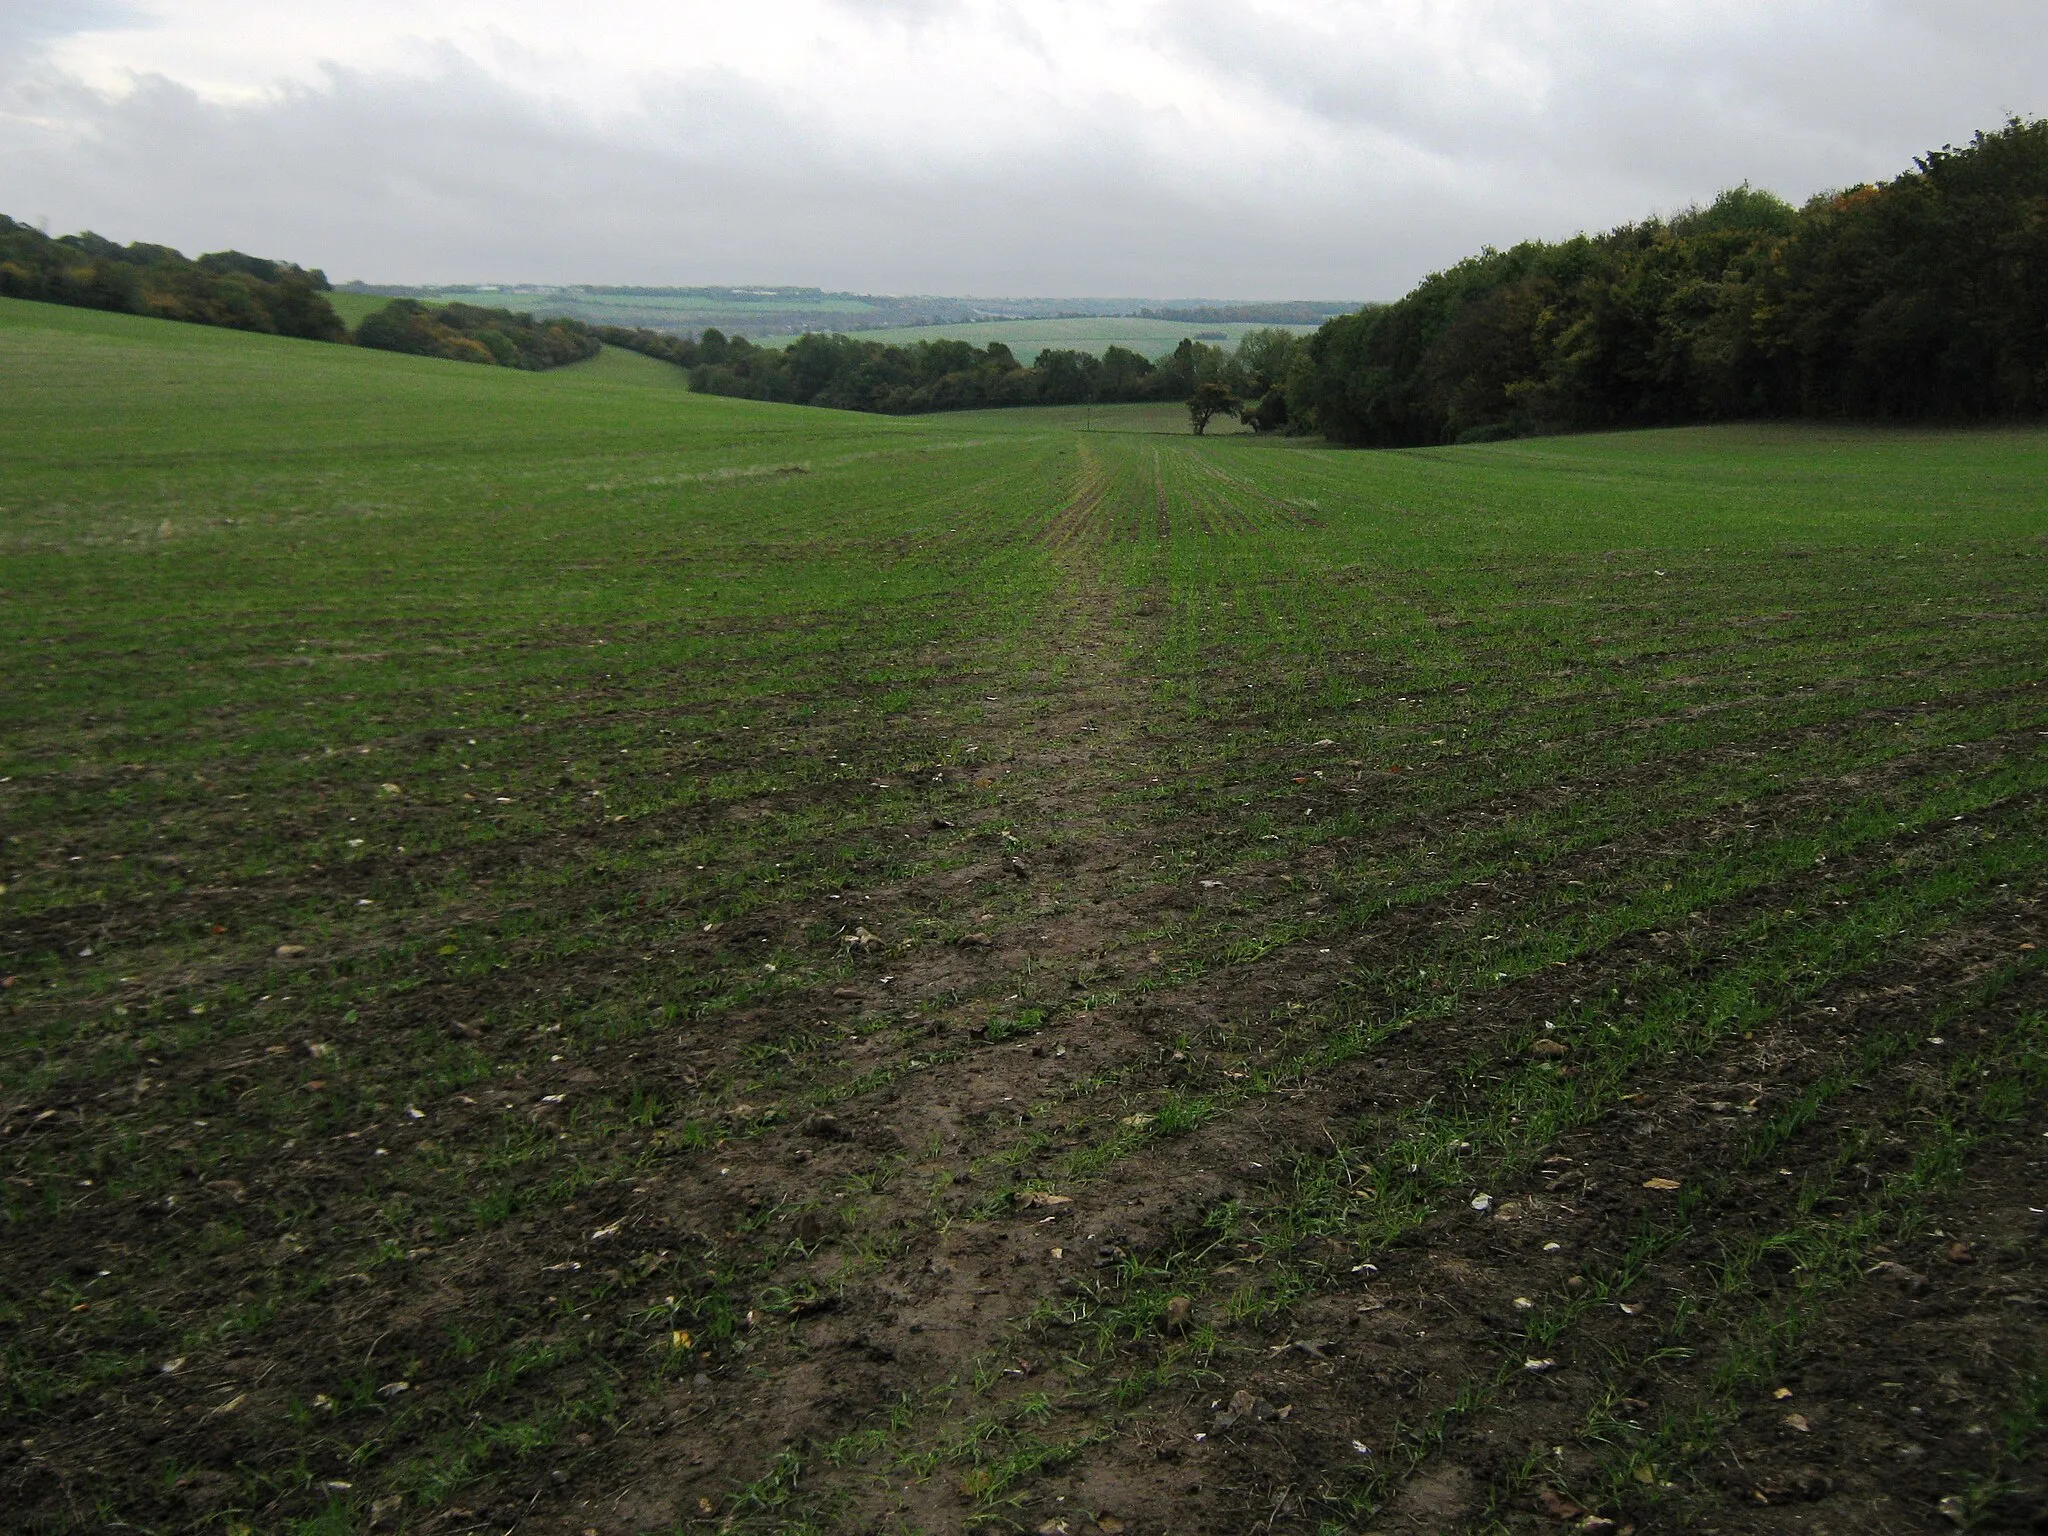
pixel 1212 398
pixel 1923 298
pixel 227 288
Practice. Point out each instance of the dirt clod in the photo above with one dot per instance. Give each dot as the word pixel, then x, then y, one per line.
pixel 813 1227
pixel 1246 1407
pixel 1554 1504
pixel 1898 1274
pixel 1801 1484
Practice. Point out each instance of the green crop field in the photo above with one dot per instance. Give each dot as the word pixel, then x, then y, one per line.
pixel 354 308
pixel 1095 333
pixel 584 957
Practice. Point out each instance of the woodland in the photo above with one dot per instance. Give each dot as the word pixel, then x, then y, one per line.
pixel 1923 298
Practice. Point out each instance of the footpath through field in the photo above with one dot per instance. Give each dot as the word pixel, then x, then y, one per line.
pixel 1193 1183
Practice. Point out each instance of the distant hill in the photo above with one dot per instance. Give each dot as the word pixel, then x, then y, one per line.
pixel 1289 312
pixel 786 311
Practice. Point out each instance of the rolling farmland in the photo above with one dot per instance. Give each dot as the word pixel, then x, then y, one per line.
pixel 776 317
pixel 580 956
pixel 1026 338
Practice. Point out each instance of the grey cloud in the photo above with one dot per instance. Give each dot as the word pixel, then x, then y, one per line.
pixel 1657 104
pixel 1365 167
pixel 388 178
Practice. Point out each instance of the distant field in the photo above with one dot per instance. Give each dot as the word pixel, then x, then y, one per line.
pixel 580 956
pixel 616 365
pixel 682 308
pixel 1027 338
pixel 671 312
pixel 776 325
pixel 352 307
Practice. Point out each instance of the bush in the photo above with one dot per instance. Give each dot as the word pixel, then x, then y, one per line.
pixel 468 333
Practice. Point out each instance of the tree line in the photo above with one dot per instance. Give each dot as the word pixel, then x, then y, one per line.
pixel 946 374
pixel 847 373
pixel 277 298
pixel 1924 298
pixel 227 288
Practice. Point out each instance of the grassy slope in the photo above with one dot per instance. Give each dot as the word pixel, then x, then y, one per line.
pixel 354 307
pixel 615 365
pixel 494 690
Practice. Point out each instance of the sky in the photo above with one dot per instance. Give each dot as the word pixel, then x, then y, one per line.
pixel 1172 148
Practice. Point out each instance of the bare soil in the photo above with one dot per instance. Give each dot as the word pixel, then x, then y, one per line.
pixel 878 1177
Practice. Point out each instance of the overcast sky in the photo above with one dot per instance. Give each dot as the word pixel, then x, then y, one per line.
pixel 1240 148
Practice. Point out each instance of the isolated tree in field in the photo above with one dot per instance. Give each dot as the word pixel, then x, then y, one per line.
pixel 1210 400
